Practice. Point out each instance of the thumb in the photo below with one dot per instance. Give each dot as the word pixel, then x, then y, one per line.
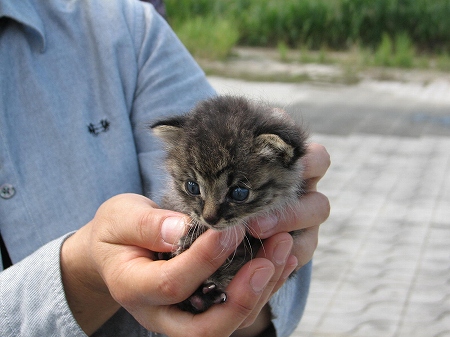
pixel 132 219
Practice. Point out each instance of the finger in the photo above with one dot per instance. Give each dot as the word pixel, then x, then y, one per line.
pixel 312 209
pixel 172 281
pixel 245 299
pixel 316 163
pixel 276 249
pixel 286 261
pixel 201 260
pixel 243 292
pixel 305 244
pixel 302 252
pixel 287 256
pixel 136 220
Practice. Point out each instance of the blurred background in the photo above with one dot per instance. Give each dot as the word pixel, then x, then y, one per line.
pixel 378 32
pixel 371 80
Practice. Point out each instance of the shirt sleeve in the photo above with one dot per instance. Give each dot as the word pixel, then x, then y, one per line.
pixel 169 83
pixel 36 306
pixel 288 303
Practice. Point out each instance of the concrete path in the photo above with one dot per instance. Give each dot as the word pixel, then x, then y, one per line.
pixel 382 267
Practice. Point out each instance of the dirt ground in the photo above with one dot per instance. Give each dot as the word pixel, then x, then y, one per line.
pixel 262 64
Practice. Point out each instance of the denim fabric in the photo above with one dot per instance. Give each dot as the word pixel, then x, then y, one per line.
pixel 80 80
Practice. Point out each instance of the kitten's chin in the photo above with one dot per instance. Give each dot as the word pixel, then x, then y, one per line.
pixel 224 225
pixel 221 225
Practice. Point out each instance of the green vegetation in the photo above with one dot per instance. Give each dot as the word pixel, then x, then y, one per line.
pixel 283 51
pixel 399 54
pixel 391 32
pixel 208 37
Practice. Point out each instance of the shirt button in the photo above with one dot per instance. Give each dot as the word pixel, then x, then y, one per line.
pixel 7 191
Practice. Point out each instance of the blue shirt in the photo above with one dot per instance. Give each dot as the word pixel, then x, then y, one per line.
pixel 80 80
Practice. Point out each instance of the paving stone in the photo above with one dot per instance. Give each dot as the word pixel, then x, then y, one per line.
pixel 382 267
pixel 383 250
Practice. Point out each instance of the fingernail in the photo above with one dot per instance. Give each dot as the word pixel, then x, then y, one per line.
pixel 172 229
pixel 260 278
pixel 267 223
pixel 281 252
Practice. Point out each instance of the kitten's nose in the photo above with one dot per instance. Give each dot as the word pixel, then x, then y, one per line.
pixel 211 219
pixel 210 213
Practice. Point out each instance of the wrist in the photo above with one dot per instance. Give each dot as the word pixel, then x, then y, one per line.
pixel 86 293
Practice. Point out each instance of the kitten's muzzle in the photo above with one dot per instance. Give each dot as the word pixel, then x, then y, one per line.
pixel 211 219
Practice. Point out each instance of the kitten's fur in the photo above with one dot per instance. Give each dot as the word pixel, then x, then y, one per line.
pixel 230 159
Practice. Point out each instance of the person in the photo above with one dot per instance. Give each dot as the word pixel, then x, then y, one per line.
pixel 159 6
pixel 78 172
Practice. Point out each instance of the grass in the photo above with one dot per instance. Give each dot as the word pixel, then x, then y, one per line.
pixel 399 53
pixel 337 24
pixel 208 37
pixel 370 33
pixel 391 53
pixel 344 67
pixel 283 51
pixel 443 62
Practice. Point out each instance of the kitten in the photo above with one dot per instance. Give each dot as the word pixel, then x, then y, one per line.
pixel 230 159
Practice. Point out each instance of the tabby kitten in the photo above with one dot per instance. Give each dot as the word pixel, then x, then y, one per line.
pixel 230 159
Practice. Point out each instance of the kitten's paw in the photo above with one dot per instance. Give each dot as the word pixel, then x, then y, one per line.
pixel 203 298
pixel 214 293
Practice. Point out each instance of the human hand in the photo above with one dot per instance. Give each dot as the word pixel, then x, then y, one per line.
pixel 111 262
pixel 312 210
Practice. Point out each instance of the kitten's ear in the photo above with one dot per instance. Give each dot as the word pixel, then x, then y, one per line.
pixel 169 130
pixel 271 146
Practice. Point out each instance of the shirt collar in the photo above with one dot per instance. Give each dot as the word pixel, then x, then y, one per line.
pixel 25 13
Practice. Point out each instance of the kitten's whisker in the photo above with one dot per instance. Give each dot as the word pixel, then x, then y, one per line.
pixel 236 236
pixel 250 248
pixel 245 242
pixel 230 258
pixel 227 238
pixel 258 237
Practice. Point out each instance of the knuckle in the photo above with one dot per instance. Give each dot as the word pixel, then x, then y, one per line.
pixel 305 248
pixel 323 151
pixel 323 155
pixel 321 208
pixel 142 227
pixel 326 207
pixel 314 243
pixel 243 310
pixel 316 162
pixel 170 288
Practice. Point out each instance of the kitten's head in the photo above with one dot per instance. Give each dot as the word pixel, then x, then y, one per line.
pixel 231 159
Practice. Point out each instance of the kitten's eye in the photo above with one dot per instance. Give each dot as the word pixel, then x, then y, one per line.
pixel 239 194
pixel 192 188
